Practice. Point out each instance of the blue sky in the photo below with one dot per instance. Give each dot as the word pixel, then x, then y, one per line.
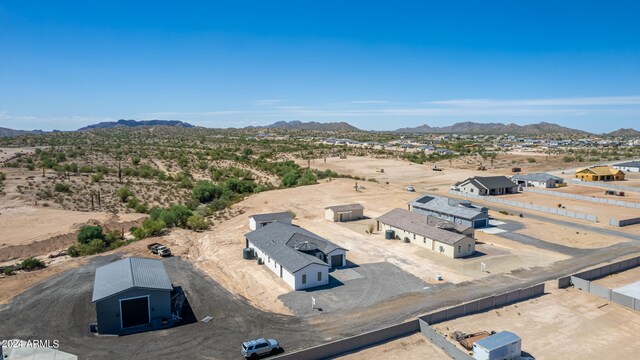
pixel 375 64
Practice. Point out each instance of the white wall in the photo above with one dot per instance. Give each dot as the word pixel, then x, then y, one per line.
pixel 628 169
pixel 329 215
pixel 295 280
pixel 312 276
pixel 471 189
pixel 252 224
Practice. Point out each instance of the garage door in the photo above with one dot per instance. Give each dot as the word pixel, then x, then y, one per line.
pixel 336 260
pixel 134 312
pixel 344 217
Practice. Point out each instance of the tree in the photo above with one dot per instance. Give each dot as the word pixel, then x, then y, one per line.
pixel 197 222
pixel 205 191
pixel 88 233
pixel 180 215
pixel 290 179
pixel 307 178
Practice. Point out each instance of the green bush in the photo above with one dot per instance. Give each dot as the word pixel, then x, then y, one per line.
pixel 73 251
pixel 32 263
pixel 205 191
pixel 3 176
pixel 531 160
pixel 307 178
pixel 124 193
pixel 62 187
pixel 197 222
pixel 88 233
pixel 97 177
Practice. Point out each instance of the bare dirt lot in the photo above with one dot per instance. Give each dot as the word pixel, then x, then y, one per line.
pixel 547 323
pixel 414 347
pixel 620 279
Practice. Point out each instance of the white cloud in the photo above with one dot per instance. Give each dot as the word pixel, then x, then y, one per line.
pixel 582 101
pixel 368 102
pixel 268 102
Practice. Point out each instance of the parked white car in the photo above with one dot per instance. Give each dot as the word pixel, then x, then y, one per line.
pixel 254 348
pixel 411 188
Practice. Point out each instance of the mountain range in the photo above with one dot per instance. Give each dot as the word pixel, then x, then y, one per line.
pixel 494 128
pixel 135 123
pixel 542 128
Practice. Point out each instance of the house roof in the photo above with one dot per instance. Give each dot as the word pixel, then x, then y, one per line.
pixel 285 215
pixel 417 223
pixel 541 177
pixel 490 182
pixel 128 273
pixel 347 207
pixel 498 340
pixel 600 170
pixel 439 204
pixel 279 241
pixel 629 164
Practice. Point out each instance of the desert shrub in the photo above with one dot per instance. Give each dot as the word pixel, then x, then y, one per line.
pixel 32 263
pixel 290 179
pixel 124 193
pixel 149 228
pixel 97 177
pixel 307 178
pixel 292 213
pixel 197 222
pixel 7 271
pixel 62 187
pixel 88 233
pixel 205 191
pixel 3 176
pixel 568 159
pixel 73 251
pixel 141 208
pixel 531 160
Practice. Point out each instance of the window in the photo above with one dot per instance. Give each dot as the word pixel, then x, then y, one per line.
pixel 304 279
pixel 424 240
pixel 261 345
pixel 319 276
pixel 471 189
pixel 414 236
pixel 459 249
pixel 468 247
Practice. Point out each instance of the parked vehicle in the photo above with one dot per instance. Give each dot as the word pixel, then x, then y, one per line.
pixel 258 347
pixel 411 188
pixel 159 249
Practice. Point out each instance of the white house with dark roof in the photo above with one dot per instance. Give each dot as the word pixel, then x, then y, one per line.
pixel 487 185
pixel 415 227
pixel 257 221
pixel 629 166
pixel 542 180
pixel 340 213
pixel 299 257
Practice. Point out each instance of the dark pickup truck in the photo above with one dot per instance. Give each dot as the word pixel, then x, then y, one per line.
pixel 159 249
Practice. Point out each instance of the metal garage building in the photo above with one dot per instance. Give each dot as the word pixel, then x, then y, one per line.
pixel 132 295
pixel 340 213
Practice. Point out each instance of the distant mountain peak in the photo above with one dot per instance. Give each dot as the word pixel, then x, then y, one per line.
pixel 135 123
pixel 312 125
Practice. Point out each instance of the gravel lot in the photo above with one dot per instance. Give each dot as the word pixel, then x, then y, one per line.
pixel 60 309
pixel 355 287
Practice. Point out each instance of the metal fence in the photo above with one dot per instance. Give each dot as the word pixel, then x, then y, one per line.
pixel 614 202
pixel 357 342
pixel 605 185
pixel 529 206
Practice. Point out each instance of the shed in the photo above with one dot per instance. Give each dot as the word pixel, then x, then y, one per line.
pixel 340 213
pixel 504 345
pixel 542 180
pixel 132 295
pixel 257 221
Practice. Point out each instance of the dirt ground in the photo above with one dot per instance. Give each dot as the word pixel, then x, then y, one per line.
pixel 563 324
pixel 620 279
pixel 218 251
pixel 414 347
pixel 558 234
pixel 597 192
